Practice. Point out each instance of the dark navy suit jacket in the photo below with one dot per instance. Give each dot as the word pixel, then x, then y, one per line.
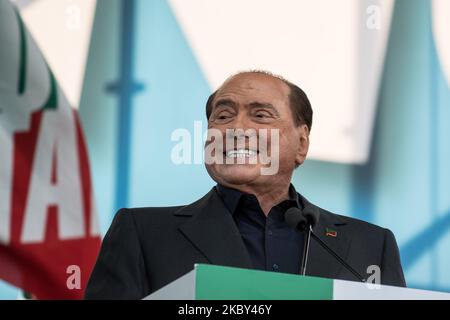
pixel 147 248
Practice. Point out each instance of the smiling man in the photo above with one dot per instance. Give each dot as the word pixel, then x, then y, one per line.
pixel 259 127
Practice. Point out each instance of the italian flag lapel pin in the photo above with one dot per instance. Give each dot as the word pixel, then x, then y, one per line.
pixel 330 233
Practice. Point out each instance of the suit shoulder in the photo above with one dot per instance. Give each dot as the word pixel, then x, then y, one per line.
pixel 161 212
pixel 149 213
pixel 353 223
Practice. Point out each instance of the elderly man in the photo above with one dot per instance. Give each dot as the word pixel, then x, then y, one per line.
pixel 240 222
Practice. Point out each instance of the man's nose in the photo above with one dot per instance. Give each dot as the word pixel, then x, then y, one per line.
pixel 241 122
pixel 241 129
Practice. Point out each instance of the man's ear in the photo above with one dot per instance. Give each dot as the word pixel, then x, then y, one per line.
pixel 303 146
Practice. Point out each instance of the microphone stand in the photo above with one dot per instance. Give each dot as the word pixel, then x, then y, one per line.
pixel 306 251
pixel 310 234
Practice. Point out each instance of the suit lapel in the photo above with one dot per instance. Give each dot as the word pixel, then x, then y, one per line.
pixel 212 230
pixel 320 262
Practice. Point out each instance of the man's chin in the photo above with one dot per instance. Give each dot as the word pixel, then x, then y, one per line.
pixel 239 174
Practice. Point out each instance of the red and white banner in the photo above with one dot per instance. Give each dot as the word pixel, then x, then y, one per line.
pixel 49 235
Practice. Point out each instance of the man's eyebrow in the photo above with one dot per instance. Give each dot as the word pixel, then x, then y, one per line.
pixel 263 106
pixel 224 102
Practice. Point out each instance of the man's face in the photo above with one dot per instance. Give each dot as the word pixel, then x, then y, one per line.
pixel 250 102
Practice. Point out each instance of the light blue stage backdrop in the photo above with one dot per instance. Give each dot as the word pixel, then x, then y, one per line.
pixel 143 82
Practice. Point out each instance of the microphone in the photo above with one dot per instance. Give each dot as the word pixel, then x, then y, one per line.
pixel 296 219
pixel 306 221
pixel 302 221
pixel 312 215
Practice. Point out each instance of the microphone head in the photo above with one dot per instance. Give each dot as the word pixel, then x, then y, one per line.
pixel 312 215
pixel 295 218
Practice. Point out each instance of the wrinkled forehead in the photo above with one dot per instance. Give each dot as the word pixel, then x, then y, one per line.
pixel 254 86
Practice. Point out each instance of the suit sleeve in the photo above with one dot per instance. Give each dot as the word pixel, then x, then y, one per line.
pixel 119 272
pixel 391 267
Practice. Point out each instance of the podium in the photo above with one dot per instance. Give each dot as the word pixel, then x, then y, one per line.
pixel 210 282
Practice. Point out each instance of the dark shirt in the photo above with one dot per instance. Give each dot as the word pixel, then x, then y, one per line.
pixel 271 244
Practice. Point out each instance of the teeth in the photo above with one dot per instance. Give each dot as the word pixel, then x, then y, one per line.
pixel 241 153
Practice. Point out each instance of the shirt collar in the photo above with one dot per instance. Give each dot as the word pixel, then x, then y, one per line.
pixel 231 197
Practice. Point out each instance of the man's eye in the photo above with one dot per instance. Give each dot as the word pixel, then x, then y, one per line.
pixel 262 115
pixel 223 116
